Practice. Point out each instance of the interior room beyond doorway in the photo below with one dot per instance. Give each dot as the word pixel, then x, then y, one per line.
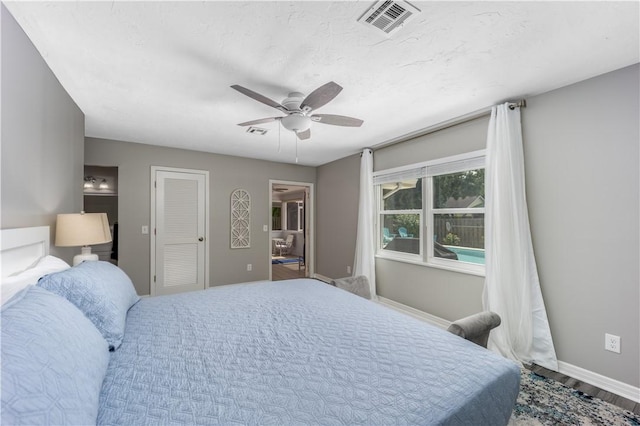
pixel 289 236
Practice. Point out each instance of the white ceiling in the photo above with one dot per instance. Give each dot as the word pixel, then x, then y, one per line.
pixel 159 72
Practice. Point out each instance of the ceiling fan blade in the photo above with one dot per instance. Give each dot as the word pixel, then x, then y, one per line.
pixel 260 98
pixel 304 135
pixel 260 121
pixel 337 120
pixel 321 96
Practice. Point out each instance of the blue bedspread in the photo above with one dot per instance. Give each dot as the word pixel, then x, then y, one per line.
pixel 297 352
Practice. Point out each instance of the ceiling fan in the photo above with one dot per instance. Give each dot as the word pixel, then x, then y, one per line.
pixel 299 109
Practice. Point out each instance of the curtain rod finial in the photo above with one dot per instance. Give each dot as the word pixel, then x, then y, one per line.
pixel 522 103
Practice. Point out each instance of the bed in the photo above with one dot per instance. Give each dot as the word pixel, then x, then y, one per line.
pixel 271 352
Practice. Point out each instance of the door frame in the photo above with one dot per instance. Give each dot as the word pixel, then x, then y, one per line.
pixel 309 226
pixel 152 228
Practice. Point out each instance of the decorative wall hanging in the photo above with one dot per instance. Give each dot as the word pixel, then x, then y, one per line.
pixel 240 219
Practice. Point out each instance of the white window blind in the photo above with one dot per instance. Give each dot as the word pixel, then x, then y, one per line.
pixel 456 166
pixel 400 176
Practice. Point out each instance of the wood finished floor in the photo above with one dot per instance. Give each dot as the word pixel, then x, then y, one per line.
pixel 287 271
pixel 590 390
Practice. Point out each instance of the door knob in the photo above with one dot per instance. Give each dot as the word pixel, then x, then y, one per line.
pixel 201 239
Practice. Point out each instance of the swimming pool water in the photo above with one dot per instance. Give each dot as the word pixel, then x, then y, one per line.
pixel 468 255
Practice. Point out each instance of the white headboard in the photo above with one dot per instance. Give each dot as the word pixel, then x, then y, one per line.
pixel 21 247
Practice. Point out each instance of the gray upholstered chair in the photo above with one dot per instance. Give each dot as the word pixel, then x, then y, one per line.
pixel 476 327
pixel 357 285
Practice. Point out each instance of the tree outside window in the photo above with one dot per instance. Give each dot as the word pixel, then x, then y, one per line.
pixel 458 207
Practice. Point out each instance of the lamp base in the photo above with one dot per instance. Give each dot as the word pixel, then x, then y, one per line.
pixel 84 255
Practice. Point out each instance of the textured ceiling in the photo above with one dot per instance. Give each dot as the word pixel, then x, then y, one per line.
pixel 159 72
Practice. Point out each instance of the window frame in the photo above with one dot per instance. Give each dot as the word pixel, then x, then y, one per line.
pixel 427 213
pixel 380 212
pixel 299 215
pixel 399 254
pixel 430 214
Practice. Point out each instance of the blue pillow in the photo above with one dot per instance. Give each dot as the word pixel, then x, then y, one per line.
pixel 53 361
pixel 101 290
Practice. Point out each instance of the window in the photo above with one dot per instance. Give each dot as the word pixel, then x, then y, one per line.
pixel 456 216
pixel 295 215
pixel 276 217
pixel 433 213
pixel 401 215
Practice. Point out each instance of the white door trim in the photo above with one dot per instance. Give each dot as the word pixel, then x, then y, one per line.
pixel 310 209
pixel 152 228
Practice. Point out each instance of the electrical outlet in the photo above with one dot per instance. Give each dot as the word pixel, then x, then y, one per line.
pixel 612 343
pixel 348 269
pixel 249 267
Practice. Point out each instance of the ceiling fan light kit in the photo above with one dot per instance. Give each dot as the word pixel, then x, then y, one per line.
pixel 299 109
pixel 296 122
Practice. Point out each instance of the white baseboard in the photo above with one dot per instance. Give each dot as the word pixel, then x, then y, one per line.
pixel 416 313
pixel 605 383
pixel 322 278
pixel 598 380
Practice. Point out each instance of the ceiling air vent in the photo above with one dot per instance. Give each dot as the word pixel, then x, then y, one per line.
pixel 257 130
pixel 388 16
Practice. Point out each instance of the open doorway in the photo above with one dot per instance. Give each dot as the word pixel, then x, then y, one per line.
pixel 101 196
pixel 290 230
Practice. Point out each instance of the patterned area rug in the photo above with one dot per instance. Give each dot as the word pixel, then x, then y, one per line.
pixel 275 261
pixel 544 401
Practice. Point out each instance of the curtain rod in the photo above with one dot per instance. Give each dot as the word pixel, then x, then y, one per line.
pixel 445 125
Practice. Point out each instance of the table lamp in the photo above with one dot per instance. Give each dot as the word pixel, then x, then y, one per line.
pixel 82 229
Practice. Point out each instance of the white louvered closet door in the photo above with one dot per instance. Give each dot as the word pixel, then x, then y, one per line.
pixel 180 232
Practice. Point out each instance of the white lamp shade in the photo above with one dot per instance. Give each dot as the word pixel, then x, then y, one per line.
pixel 82 229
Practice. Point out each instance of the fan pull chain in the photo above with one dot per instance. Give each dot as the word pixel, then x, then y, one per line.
pixel 279 126
pixel 296 133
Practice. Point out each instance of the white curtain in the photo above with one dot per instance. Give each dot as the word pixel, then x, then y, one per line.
pixel 364 262
pixel 512 287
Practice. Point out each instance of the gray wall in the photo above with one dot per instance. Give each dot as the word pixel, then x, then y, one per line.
pixel 581 147
pixel 226 174
pixel 42 139
pixel 337 218
pixel 466 137
pixel 582 158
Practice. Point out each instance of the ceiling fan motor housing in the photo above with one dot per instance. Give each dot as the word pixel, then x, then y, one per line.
pixel 293 101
